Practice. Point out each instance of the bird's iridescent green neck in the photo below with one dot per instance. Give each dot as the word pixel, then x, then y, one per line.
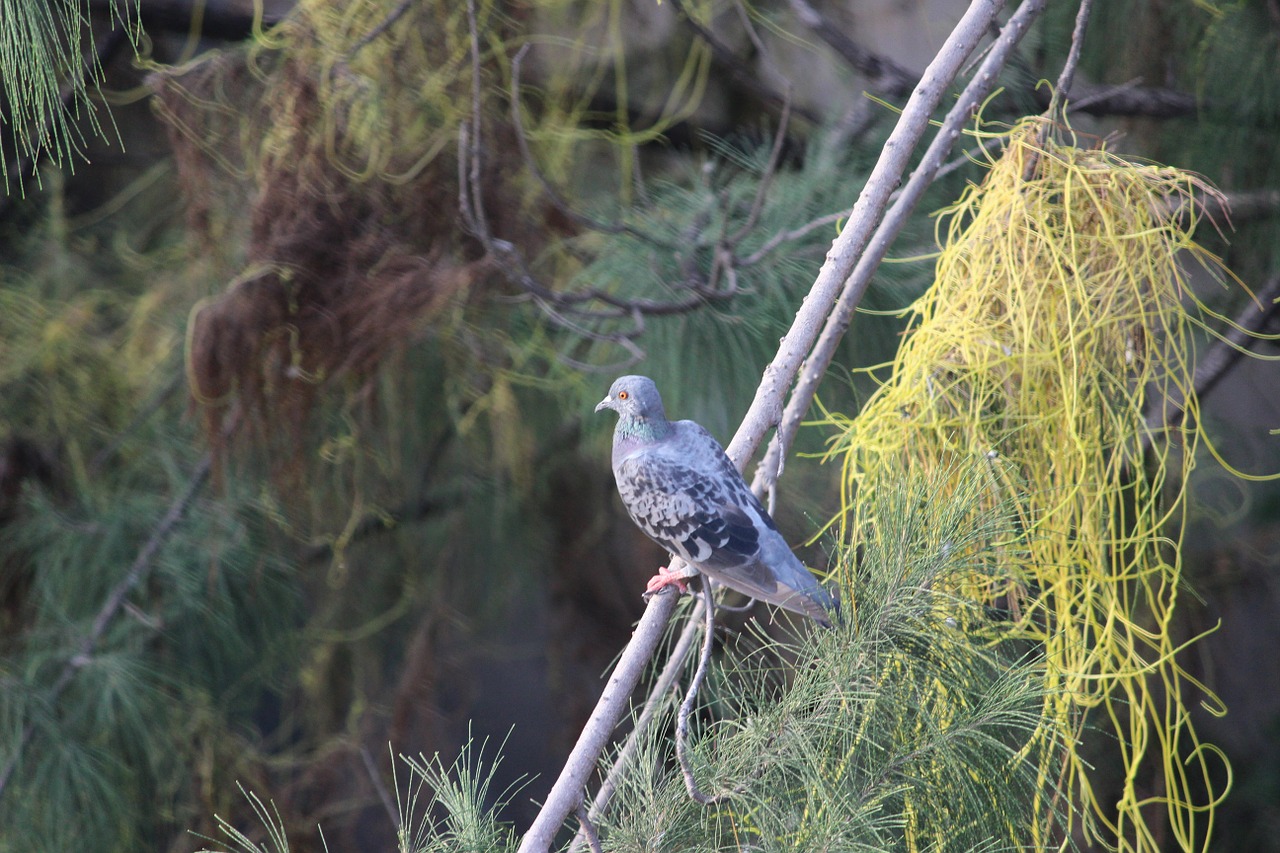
pixel 641 430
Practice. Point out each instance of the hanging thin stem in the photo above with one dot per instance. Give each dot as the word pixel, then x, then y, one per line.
pixel 691 698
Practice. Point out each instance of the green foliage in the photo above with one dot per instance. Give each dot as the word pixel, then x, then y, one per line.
pixel 441 809
pixel 43 51
pixel 110 743
pixel 902 729
pixel 1059 320
pixel 267 816
pixel 109 761
pixel 459 817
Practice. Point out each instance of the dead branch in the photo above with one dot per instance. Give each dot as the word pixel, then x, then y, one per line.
pixel 1165 413
pixel 690 699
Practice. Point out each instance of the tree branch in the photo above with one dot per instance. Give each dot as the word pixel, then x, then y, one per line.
pixel 657 697
pixel 766 407
pixel 1168 411
pixel 566 794
pixel 137 572
pixel 691 696
pixel 815 367
pixel 883 74
pixel 1127 100
pixel 737 68
pixel 1068 73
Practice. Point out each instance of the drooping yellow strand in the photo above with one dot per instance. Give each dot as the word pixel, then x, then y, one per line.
pixel 1056 318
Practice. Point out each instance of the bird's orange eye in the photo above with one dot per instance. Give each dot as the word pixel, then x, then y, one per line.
pixel 622 395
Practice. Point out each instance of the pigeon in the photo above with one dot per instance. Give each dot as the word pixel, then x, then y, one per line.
pixel 685 494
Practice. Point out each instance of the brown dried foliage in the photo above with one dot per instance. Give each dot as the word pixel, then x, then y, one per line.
pixel 339 272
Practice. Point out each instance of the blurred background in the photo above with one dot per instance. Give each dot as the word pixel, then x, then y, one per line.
pixel 304 309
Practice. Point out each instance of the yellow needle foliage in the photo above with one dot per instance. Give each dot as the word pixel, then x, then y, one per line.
pixel 1056 323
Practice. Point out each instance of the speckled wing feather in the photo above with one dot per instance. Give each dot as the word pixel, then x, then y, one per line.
pixel 687 496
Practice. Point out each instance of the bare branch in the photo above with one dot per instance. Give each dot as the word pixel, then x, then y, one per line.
pixel 1167 412
pixel 691 697
pixel 883 74
pixel 1068 74
pixel 1132 100
pixel 794 234
pixel 766 407
pixel 587 829
pixel 855 286
pixel 566 793
pixel 658 694
pixel 766 180
pixel 385 24
pixel 384 796
pixel 115 602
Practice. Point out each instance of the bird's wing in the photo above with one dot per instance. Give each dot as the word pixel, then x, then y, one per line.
pixel 686 495
pixel 685 511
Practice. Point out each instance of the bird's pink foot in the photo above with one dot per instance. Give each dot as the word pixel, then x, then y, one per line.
pixel 663 579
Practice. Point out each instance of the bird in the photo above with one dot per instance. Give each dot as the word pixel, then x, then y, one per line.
pixel 683 492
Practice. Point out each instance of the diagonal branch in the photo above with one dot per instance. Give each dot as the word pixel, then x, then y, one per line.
pixel 1068 74
pixel 658 694
pixel 883 74
pixel 815 367
pixel 567 792
pixel 766 408
pixel 565 795
pixel 691 697
pixel 115 602
pixel 1168 411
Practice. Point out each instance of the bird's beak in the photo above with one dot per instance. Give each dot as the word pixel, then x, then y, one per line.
pixel 606 403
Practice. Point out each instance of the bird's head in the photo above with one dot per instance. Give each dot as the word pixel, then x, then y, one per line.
pixel 634 398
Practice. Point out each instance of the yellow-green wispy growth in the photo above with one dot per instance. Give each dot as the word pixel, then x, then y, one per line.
pixel 1057 321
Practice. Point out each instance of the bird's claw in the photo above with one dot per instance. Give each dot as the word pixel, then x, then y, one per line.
pixel 663 579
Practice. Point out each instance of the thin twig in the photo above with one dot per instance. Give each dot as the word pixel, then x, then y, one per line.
pixel 1054 112
pixel 770 172
pixel 371 767
pixel 794 234
pixel 1167 412
pixel 737 68
pixel 588 829
pixel 144 413
pixel 385 24
pixel 691 698
pixel 1068 74
pixel 882 73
